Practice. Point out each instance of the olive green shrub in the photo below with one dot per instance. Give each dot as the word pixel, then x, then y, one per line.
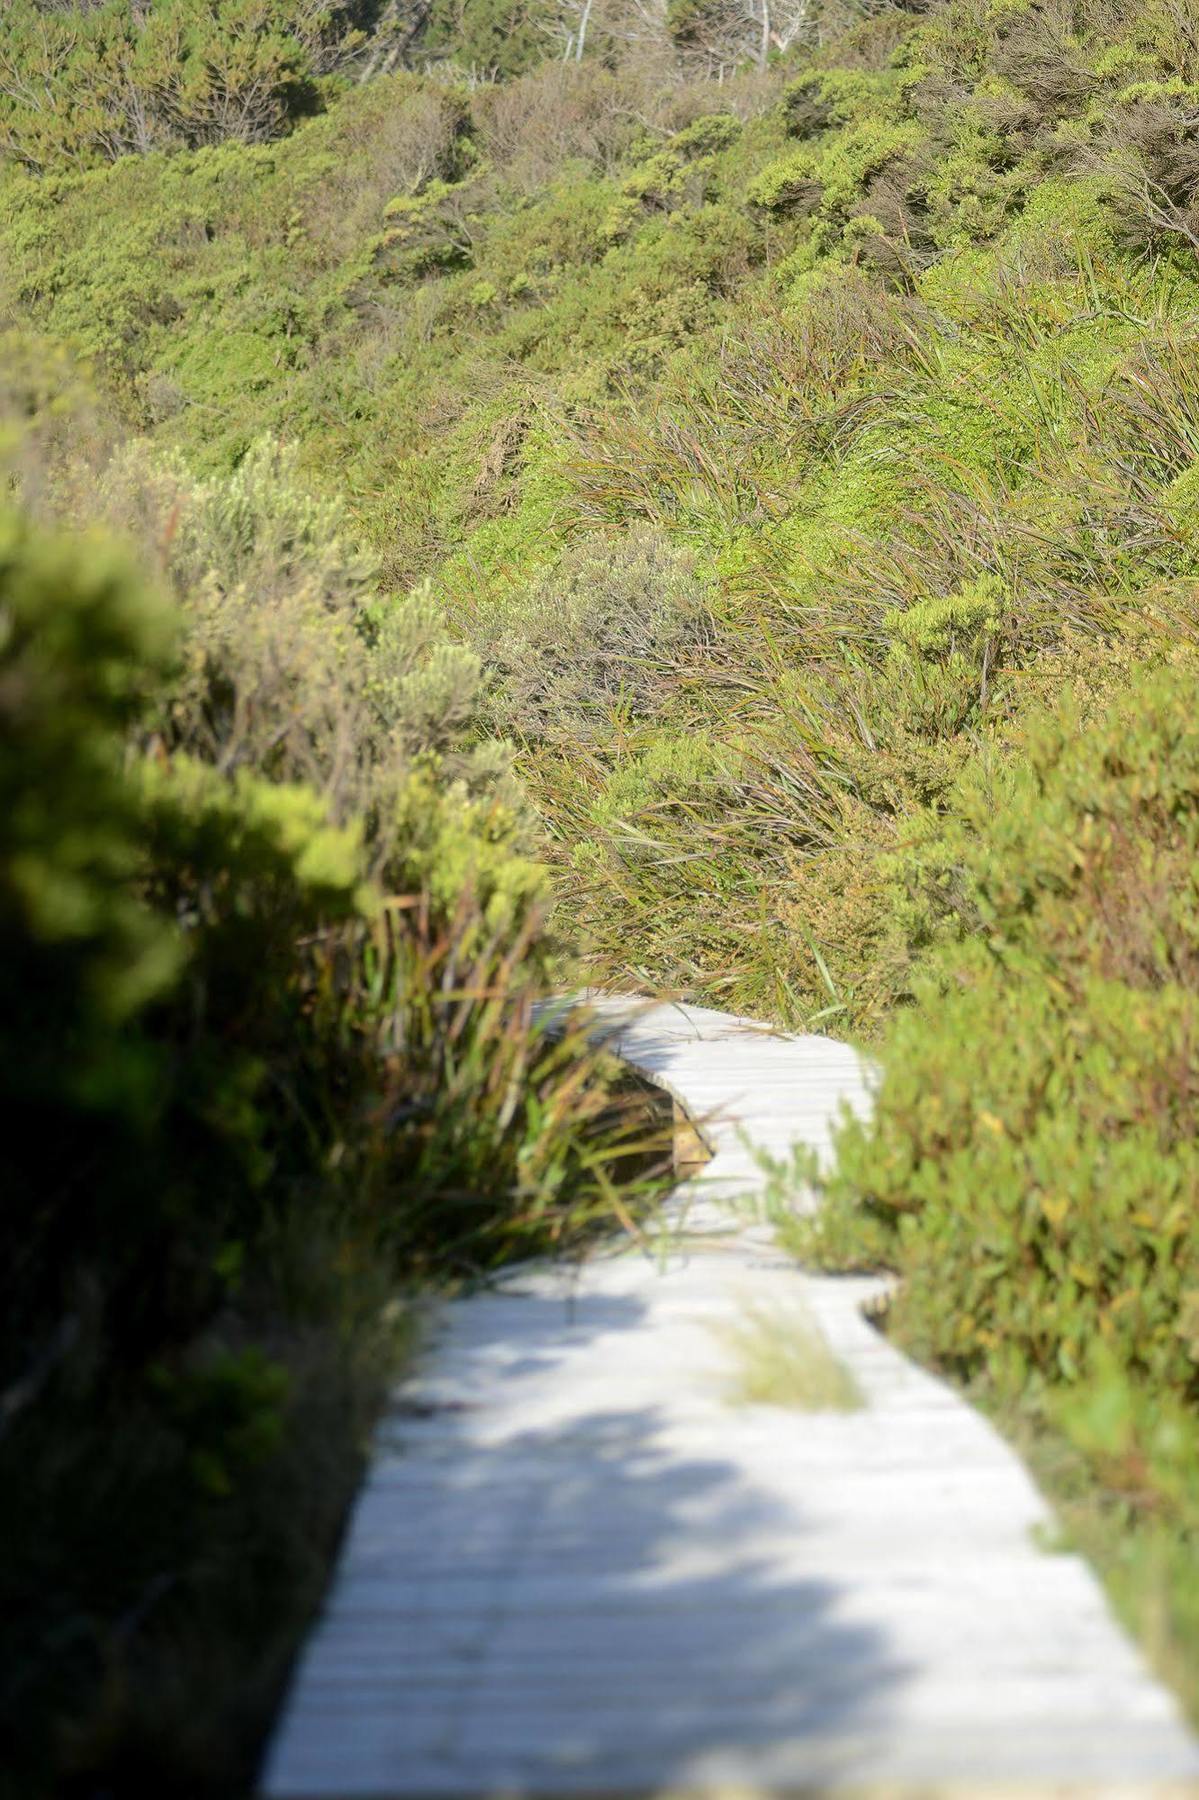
pixel 134 79
pixel 1033 1155
pixel 605 634
pixel 292 664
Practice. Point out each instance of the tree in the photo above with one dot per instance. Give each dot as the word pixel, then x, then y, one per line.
pixel 714 35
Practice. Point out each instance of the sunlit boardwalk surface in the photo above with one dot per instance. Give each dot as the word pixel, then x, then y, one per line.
pixel 580 1566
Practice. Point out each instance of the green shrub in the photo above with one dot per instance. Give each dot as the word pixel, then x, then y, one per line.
pixel 606 634
pixel 488 37
pixel 1031 1171
pixel 186 72
pixel 293 665
pixel 250 1099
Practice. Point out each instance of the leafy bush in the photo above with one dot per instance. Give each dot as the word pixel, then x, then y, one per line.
pixel 1033 1155
pixel 291 663
pixel 489 37
pixel 247 1093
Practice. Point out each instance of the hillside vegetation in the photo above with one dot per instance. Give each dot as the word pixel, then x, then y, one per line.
pixel 787 467
pixel 801 429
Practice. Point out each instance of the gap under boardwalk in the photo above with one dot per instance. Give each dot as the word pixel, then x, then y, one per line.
pixel 581 1564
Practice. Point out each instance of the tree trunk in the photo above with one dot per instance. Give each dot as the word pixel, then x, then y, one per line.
pixel 584 16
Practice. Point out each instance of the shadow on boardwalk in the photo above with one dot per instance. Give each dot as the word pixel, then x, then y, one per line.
pixel 574 1569
pixel 557 1580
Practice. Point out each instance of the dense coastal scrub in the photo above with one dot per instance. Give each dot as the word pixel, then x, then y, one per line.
pixel 888 355
pixel 761 487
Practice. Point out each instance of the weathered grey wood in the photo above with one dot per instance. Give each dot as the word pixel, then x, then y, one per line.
pixel 577 1568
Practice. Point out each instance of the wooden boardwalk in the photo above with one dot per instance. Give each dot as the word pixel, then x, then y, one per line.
pixel 577 1567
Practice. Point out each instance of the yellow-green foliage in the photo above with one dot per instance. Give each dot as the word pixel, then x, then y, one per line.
pixel 292 664
pixel 873 340
pixel 128 78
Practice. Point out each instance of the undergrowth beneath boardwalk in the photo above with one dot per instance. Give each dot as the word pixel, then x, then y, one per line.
pixel 700 517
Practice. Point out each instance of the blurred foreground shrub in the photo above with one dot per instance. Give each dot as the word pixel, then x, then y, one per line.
pixel 249 1096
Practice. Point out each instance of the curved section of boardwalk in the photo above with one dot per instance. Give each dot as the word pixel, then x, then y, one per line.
pixel 577 1567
